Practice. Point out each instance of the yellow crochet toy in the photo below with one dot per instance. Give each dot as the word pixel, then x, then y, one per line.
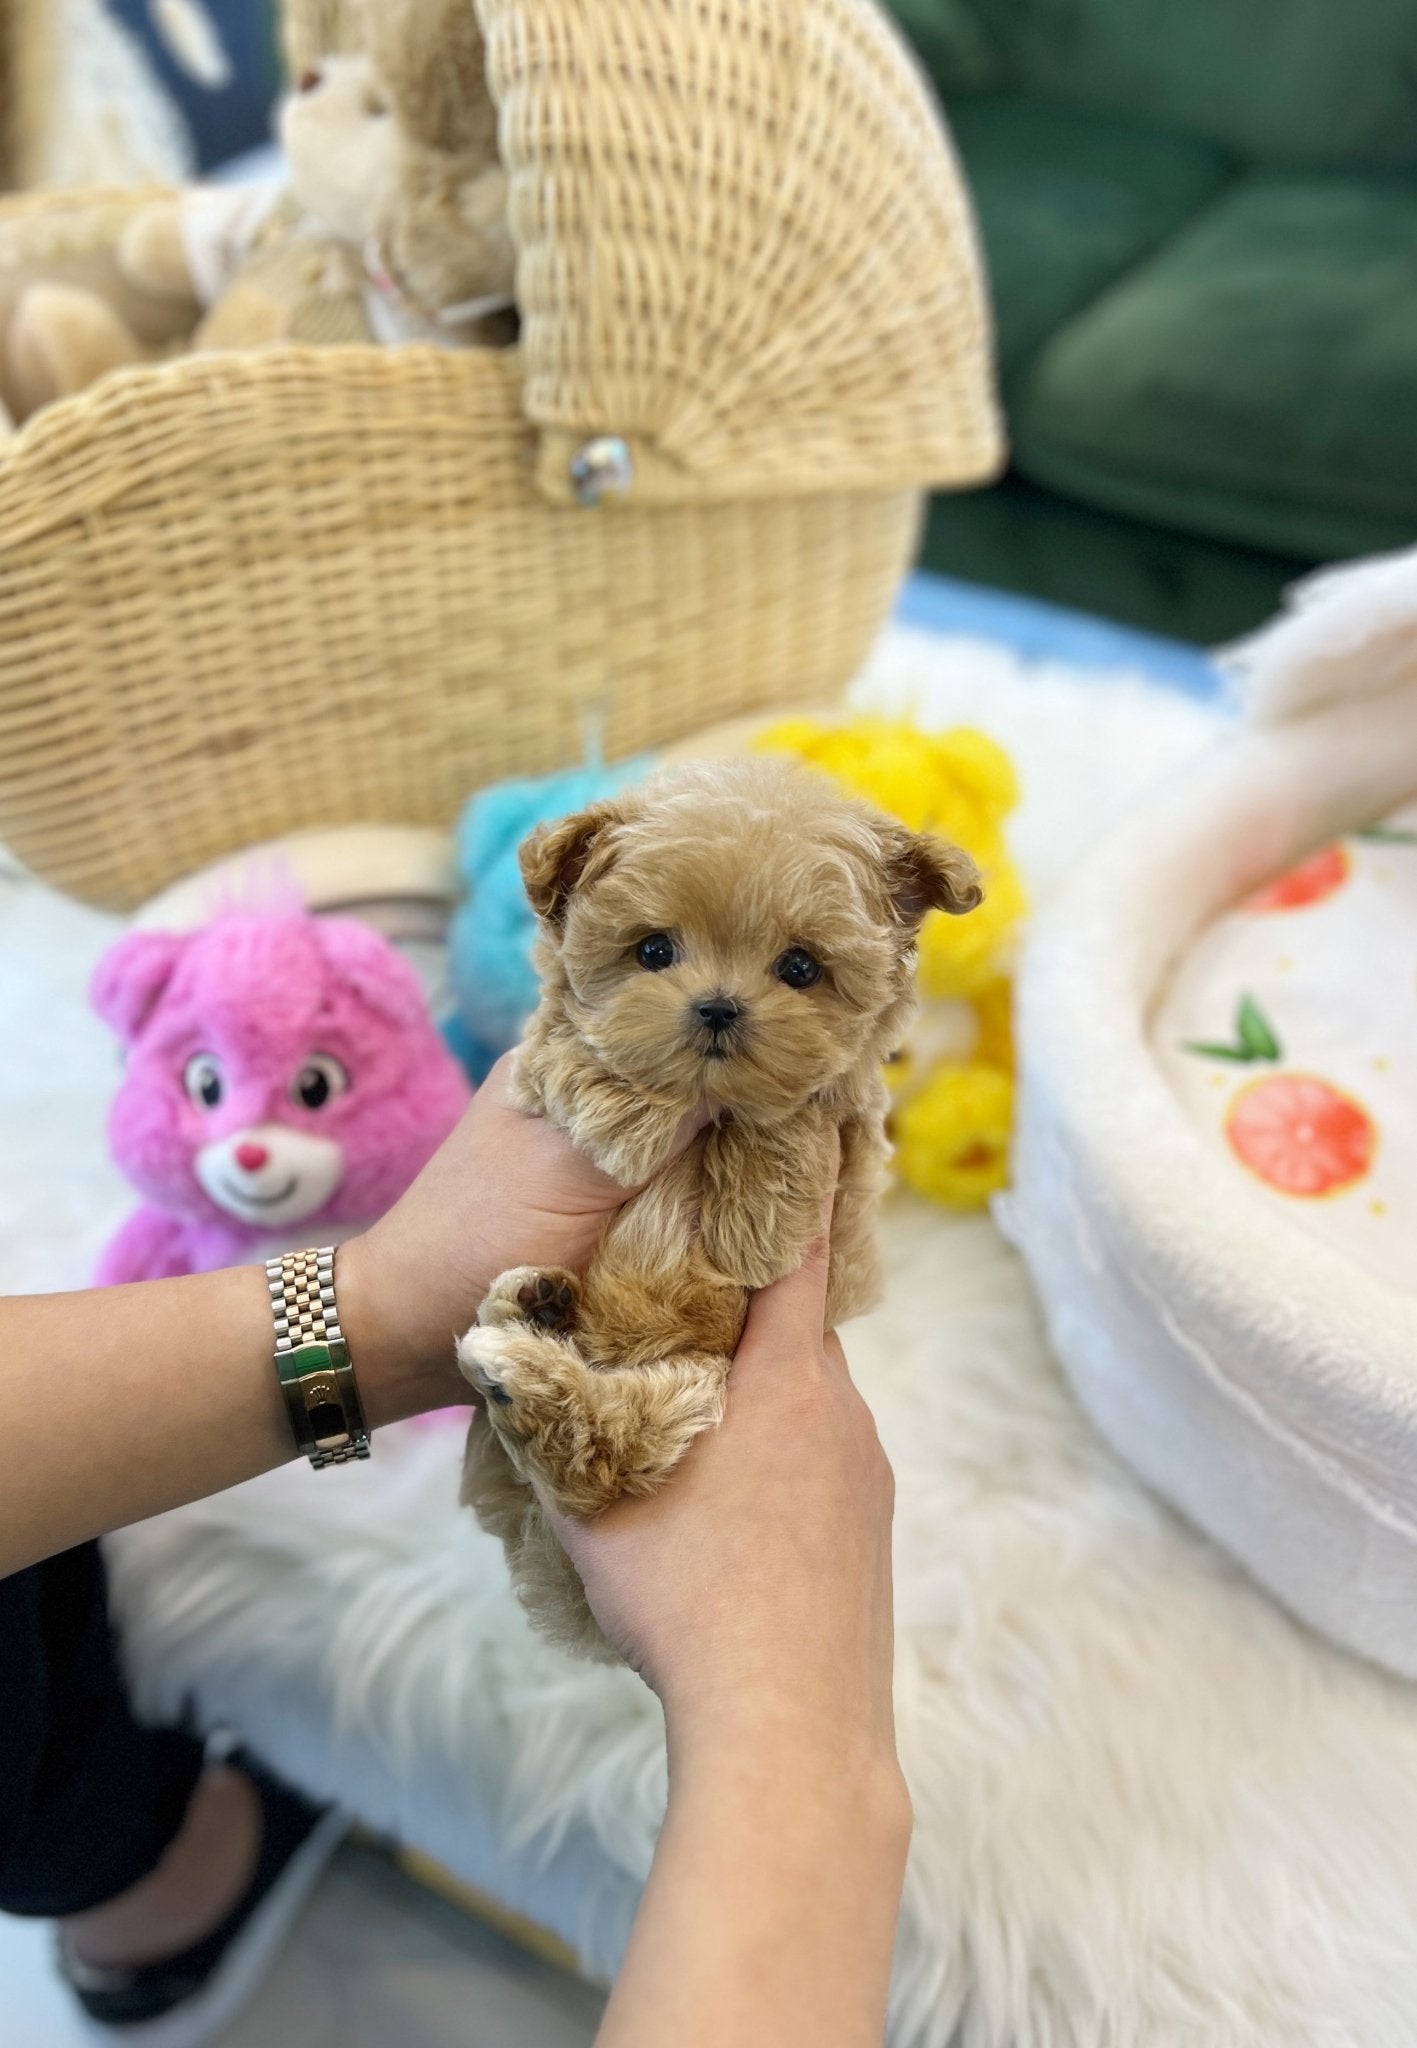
pixel 953 1085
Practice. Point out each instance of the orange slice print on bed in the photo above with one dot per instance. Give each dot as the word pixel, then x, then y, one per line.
pixel 1313 879
pixel 1301 1135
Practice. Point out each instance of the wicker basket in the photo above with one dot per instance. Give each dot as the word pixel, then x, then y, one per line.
pixel 240 594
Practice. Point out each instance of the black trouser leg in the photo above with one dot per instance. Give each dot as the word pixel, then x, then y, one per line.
pixel 89 1800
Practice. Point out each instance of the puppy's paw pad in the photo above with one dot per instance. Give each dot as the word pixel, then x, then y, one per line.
pixel 531 1297
pixel 548 1302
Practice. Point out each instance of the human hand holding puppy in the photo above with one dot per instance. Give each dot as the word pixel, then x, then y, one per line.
pixel 754 1594
pixel 692 1587
pixel 504 1189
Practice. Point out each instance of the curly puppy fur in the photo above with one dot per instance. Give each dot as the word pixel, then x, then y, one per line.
pixel 736 942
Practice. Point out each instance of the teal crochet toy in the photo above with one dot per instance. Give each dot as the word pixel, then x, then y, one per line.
pixel 489 940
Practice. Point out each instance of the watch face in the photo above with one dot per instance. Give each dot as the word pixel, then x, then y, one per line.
pixel 327 1423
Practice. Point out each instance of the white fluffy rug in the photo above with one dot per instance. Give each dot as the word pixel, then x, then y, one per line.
pixel 1151 1812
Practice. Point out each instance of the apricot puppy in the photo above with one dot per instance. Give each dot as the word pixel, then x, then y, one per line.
pixel 734 941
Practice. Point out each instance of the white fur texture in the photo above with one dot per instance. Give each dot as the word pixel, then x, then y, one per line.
pixel 1151 1811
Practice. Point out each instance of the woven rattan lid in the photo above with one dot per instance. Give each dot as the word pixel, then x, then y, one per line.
pixel 746 248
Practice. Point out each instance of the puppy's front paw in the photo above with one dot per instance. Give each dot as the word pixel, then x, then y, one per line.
pixel 587 1435
pixel 539 1297
pixel 528 1378
pixel 535 1390
pixel 482 1356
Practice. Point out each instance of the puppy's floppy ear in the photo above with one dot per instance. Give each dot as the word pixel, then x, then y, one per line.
pixel 926 874
pixel 555 859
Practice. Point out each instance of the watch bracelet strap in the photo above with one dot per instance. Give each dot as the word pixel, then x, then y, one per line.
pixel 312 1359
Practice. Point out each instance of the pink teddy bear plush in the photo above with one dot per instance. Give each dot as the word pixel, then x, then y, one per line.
pixel 283 1085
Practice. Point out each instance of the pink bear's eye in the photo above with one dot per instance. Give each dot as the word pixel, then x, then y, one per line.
pixel 202 1078
pixel 319 1081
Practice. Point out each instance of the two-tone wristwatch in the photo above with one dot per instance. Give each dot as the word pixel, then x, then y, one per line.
pixel 312 1359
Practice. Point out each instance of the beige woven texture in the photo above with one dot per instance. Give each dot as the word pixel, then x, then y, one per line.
pixel 243 594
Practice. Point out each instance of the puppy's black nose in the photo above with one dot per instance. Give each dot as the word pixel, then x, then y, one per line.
pixel 718 1012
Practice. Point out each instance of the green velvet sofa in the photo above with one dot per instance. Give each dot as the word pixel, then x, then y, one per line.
pixel 1200 218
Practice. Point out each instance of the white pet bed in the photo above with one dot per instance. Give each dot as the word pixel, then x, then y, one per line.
pixel 1150 1809
pixel 1251 1348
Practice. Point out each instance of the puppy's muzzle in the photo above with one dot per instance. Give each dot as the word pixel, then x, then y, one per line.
pixel 714 1022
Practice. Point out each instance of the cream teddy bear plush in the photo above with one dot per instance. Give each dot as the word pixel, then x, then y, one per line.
pixel 390 225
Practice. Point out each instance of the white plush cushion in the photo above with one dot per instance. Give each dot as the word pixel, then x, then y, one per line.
pixel 1250 1365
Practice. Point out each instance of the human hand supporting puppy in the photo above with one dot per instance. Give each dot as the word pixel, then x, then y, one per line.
pixel 754 1594
pixel 506 1189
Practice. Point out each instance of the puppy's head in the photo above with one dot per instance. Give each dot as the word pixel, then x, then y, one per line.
pixel 738 934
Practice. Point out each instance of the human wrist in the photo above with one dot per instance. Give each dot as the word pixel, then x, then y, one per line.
pixel 401 1368
pixel 794 1788
pixel 781 1751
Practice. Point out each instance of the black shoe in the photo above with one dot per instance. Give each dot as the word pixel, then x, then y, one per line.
pixel 191 1997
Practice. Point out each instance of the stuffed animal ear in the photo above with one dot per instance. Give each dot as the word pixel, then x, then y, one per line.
pixel 130 978
pixel 441 221
pixel 557 858
pixel 432 62
pixel 373 968
pixel 925 874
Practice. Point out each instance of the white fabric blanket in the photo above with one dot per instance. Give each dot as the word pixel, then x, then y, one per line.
pixel 1150 1809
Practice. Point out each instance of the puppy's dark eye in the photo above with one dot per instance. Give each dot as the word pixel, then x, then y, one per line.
pixel 202 1079
pixel 798 968
pixel 655 953
pixel 321 1078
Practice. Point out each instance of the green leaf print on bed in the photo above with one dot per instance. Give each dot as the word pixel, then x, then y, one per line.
pixel 1254 1038
pixel 1387 835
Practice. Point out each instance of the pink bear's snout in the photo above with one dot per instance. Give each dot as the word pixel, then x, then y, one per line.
pixel 270 1174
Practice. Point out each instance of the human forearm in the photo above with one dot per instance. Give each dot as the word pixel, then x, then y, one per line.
pixel 118 1404
pixel 174 1380
pixel 769 1917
